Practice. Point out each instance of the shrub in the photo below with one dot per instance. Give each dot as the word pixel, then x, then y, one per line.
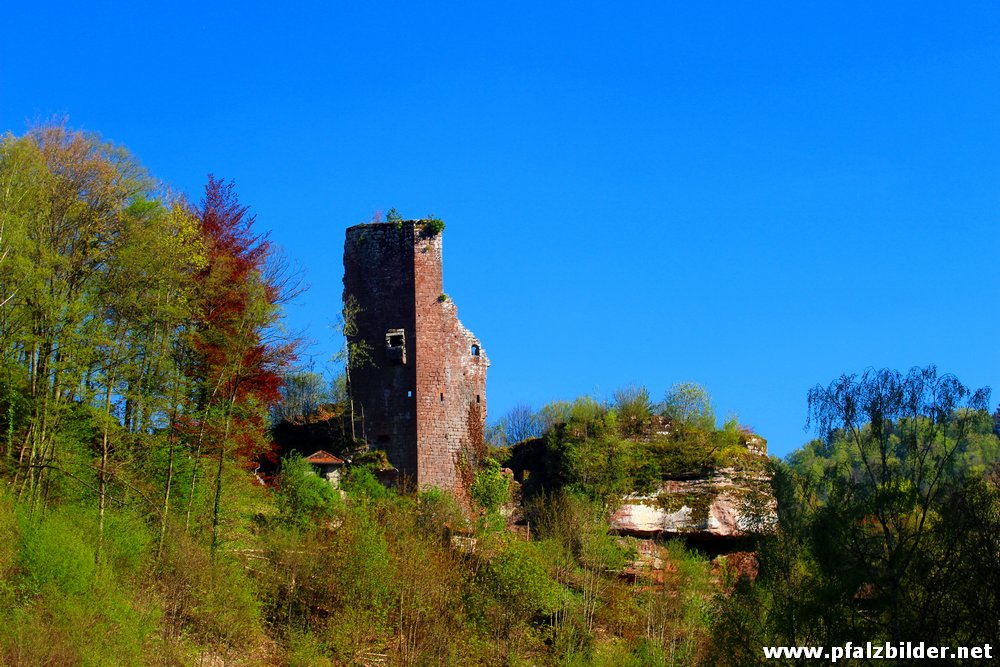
pixel 491 488
pixel 433 226
pixel 599 467
pixel 9 545
pixel 514 589
pixel 361 484
pixel 207 601
pixel 303 496
pixel 55 553
pixel 304 649
pixel 393 217
pixel 128 540
pixel 633 407
pixel 70 612
pixel 689 405
pixel 438 511
pixel 99 628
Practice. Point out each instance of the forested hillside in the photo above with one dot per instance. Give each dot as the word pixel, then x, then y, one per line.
pixel 144 380
pixel 889 524
pixel 140 363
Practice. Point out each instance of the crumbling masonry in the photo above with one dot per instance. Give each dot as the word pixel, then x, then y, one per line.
pixel 421 393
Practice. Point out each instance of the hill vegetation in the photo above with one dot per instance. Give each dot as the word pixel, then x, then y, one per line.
pixel 889 524
pixel 605 450
pixel 142 369
pixel 139 363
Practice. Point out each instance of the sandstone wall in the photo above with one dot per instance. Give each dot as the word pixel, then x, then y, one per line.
pixel 424 404
pixel 378 273
pixel 726 505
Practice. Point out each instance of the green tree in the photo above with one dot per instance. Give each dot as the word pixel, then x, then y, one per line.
pixel 301 393
pixel 633 408
pixel 876 536
pixel 906 431
pixel 689 406
pixel 355 354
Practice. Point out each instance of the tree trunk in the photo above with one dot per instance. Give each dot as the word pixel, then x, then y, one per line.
pixel 218 477
pixel 103 473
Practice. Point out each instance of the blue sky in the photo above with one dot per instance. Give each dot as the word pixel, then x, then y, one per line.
pixel 756 197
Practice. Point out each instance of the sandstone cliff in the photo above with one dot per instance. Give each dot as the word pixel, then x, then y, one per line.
pixel 725 505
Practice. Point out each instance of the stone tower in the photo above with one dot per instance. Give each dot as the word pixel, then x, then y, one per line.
pixel 422 391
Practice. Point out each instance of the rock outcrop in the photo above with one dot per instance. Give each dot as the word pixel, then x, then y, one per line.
pixel 651 564
pixel 726 505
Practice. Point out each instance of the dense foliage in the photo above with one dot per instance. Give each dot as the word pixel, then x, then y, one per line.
pixel 137 363
pixel 889 524
pixel 605 450
pixel 139 371
pixel 139 366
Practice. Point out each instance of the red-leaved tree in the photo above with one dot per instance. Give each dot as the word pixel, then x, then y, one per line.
pixel 239 357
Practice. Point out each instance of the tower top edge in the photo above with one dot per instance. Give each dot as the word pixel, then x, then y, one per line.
pixel 402 224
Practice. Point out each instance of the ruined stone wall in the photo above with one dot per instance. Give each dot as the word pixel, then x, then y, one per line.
pixel 378 273
pixel 436 434
pixel 451 380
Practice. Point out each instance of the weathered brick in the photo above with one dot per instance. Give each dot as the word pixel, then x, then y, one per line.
pixel 423 391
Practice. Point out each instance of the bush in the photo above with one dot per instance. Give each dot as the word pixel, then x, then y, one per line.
pixel 303 496
pixel 515 588
pixel 55 553
pixel 101 628
pixel 305 650
pixel 433 226
pixel 491 488
pixel 633 408
pixel 9 553
pixel 128 542
pixel 689 406
pixel 208 601
pixel 393 217
pixel 599 467
pixel 438 512
pixel 60 608
pixel 361 484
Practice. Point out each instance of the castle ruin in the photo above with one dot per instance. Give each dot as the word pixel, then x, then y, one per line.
pixel 420 390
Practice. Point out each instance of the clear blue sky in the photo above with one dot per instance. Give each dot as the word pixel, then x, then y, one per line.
pixel 754 196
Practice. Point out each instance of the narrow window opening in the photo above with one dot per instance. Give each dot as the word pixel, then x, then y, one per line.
pixel 409 393
pixel 395 346
pixel 442 397
pixel 475 350
pixel 477 398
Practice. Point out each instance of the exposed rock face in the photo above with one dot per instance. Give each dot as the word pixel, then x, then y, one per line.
pixel 647 565
pixel 725 505
pixel 651 565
